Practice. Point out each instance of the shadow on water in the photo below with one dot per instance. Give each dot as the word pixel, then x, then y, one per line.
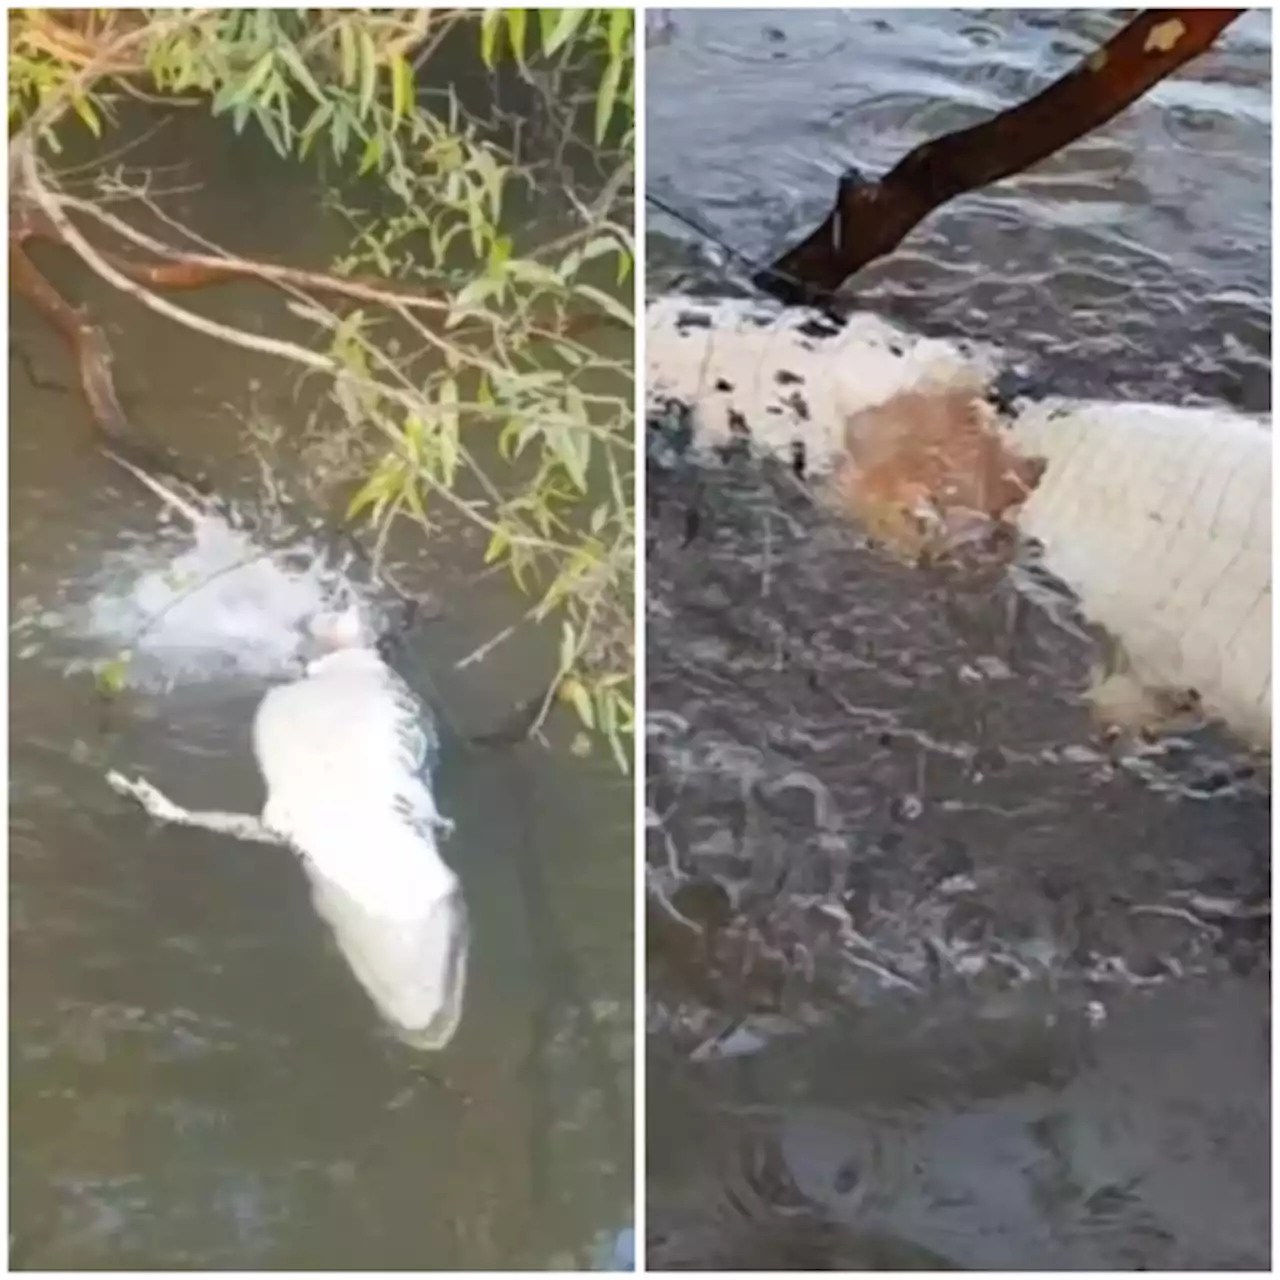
pixel 196 1080
pixel 936 980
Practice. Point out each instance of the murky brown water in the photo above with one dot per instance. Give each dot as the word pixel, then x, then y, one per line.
pixel 964 994
pixel 196 1080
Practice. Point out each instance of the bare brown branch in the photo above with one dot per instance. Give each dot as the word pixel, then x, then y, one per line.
pixel 870 220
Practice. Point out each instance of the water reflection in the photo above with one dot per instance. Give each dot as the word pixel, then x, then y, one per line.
pixel 935 981
pixel 935 1140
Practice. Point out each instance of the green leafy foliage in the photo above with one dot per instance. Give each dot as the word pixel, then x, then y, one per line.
pixel 515 351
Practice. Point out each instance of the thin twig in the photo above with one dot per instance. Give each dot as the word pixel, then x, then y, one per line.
pixel 269 273
pixel 1176 913
pixel 482 651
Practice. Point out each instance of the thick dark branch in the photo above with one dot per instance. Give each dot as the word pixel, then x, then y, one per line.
pixel 871 219
pixel 93 360
pixel 92 352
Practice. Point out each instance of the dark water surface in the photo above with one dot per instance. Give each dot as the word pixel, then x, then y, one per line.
pixel 963 989
pixel 196 1079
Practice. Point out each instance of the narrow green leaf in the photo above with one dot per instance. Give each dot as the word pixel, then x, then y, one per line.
pixel 261 70
pixel 293 60
pixel 348 55
pixel 401 87
pixel 497 545
pixel 566 25
pixel 568 646
pixel 368 72
pixel 606 710
pixel 509 440
pixel 340 134
pixel 480 229
pixel 570 355
pixel 415 436
pixel 619 753
pixel 226 98
pixel 606 98
pixel 319 118
pixel 471 296
pixel 490 27
pixel 499 254
pixel 575 693
pixel 611 306
pixel 531 272
pixel 270 125
pixel 372 156
pixel 362 498
pixel 84 109
pixel 599 246
pixel 619 28
pixel 517 20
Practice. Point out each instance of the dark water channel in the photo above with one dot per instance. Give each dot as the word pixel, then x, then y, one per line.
pixel 966 990
pixel 196 1079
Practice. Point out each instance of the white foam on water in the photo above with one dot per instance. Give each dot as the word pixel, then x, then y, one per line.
pixel 222 606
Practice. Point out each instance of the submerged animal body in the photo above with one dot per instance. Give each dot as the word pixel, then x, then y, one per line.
pixel 1156 517
pixel 346 753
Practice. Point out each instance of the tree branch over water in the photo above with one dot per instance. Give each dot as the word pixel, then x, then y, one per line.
pixel 441 336
pixel 870 219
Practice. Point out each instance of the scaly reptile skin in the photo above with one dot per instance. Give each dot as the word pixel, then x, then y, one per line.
pixel 1158 517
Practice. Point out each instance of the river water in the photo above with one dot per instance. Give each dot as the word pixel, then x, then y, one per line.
pixel 964 990
pixel 196 1079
